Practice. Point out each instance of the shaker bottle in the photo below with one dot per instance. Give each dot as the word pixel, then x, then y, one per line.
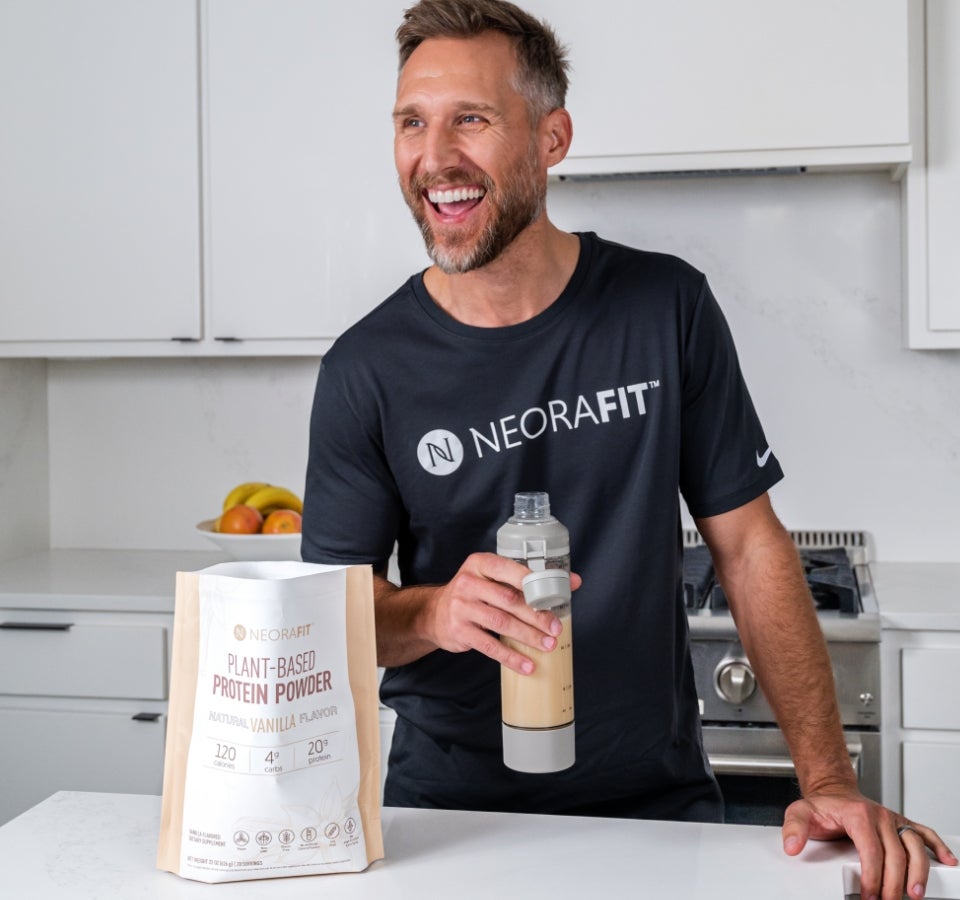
pixel 538 724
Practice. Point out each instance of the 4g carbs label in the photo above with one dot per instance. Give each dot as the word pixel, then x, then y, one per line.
pixel 273 769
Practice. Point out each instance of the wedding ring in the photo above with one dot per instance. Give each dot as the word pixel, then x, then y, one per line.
pixel 904 828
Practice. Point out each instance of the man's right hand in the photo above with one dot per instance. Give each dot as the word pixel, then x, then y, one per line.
pixel 481 602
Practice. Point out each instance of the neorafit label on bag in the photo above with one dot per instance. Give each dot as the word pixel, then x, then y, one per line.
pixel 273 771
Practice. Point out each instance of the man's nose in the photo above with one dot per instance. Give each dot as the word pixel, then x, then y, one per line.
pixel 441 149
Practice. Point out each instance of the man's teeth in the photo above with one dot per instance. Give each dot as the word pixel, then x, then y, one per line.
pixel 455 195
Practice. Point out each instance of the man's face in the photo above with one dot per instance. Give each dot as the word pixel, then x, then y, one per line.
pixel 466 154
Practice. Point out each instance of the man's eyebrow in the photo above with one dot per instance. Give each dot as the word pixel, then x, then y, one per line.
pixel 412 109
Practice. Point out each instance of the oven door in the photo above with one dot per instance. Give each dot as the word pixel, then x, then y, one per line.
pixel 757 776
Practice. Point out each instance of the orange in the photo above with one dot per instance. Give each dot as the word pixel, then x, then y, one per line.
pixel 283 521
pixel 240 519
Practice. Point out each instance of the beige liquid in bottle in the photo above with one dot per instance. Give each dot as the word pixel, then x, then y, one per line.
pixel 543 699
pixel 537 709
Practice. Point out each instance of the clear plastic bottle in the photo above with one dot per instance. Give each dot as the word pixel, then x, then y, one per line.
pixel 537 709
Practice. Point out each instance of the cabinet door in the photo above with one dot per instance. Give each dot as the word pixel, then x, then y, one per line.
pixel 924 672
pixel 306 229
pixel 931 784
pixel 943 166
pixel 83 660
pixel 99 170
pixel 697 77
pixel 43 751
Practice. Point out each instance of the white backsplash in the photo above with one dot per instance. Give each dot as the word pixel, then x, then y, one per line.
pixel 807 269
pixel 24 492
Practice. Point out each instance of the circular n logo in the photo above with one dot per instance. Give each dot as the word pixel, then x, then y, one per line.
pixel 440 452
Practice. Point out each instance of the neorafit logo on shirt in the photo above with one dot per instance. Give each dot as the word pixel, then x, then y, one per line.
pixel 441 452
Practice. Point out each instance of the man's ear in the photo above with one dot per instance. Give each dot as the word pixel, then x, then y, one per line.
pixel 556 131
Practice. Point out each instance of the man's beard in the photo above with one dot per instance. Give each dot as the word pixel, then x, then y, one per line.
pixel 518 204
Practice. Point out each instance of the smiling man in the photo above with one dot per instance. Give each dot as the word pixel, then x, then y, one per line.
pixel 529 358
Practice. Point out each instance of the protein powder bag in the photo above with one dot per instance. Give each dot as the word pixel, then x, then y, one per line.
pixel 272 763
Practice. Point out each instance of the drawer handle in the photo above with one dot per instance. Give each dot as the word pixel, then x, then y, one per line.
pixel 147 717
pixel 36 626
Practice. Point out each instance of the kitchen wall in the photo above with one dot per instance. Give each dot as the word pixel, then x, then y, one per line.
pixel 807 269
pixel 24 492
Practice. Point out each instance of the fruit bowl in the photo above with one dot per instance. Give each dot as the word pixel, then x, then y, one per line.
pixel 253 546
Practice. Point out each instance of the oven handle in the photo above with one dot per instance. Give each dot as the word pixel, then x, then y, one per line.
pixel 776 766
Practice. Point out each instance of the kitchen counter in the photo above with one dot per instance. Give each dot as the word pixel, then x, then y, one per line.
pixel 917 596
pixel 85 845
pixel 125 580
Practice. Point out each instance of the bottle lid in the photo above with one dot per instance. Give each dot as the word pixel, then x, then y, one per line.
pixel 531 505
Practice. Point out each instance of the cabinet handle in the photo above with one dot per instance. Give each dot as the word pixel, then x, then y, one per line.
pixel 146 717
pixel 36 626
pixel 229 340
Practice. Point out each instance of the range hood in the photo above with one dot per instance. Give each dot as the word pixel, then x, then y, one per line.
pixel 893 158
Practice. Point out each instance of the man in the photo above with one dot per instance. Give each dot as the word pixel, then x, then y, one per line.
pixel 527 358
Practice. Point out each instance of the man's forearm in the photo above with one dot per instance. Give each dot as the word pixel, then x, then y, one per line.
pixel 400 615
pixel 783 641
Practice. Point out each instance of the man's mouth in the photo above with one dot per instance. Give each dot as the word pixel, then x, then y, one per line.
pixel 454 202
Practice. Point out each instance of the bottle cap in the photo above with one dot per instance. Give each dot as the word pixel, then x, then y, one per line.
pixel 531 505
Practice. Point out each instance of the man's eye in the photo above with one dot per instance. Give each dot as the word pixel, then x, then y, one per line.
pixel 413 122
pixel 471 119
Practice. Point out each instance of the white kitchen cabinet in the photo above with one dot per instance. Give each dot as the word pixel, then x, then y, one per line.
pixel 46 750
pixel 301 222
pixel 931 198
pixel 83 701
pixel 930 789
pixel 930 717
pixel 282 176
pixel 306 229
pixel 696 84
pixel 99 179
pixel 922 726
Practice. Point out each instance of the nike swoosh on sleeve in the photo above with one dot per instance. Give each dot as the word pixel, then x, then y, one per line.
pixel 762 460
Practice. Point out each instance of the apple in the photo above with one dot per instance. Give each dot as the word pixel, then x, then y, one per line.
pixel 282 521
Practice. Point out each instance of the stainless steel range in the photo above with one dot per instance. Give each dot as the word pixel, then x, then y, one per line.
pixel 746 748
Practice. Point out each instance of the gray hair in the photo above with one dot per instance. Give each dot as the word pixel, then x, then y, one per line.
pixel 542 63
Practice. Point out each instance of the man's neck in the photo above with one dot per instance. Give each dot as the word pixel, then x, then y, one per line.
pixel 520 284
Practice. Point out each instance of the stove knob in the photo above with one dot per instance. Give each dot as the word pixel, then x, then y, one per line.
pixel 736 682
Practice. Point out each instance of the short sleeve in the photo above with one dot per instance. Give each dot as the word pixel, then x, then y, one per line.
pixel 725 460
pixel 350 510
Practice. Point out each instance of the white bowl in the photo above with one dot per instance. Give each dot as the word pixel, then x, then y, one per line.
pixel 253 546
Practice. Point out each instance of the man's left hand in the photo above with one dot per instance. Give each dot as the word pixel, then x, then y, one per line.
pixel 893 850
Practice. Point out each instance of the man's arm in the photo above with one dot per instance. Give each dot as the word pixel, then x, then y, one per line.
pixel 483 600
pixel 760 570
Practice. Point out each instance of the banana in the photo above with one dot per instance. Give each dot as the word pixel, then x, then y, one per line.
pixel 241 492
pixel 276 497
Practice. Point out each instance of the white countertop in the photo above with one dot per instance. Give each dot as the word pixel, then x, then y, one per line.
pixel 129 580
pixel 917 596
pixel 913 596
pixel 81 845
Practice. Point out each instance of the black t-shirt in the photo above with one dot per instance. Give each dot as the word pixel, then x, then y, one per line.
pixel 623 390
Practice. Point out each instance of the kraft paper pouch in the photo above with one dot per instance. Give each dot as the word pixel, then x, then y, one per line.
pixel 272 763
